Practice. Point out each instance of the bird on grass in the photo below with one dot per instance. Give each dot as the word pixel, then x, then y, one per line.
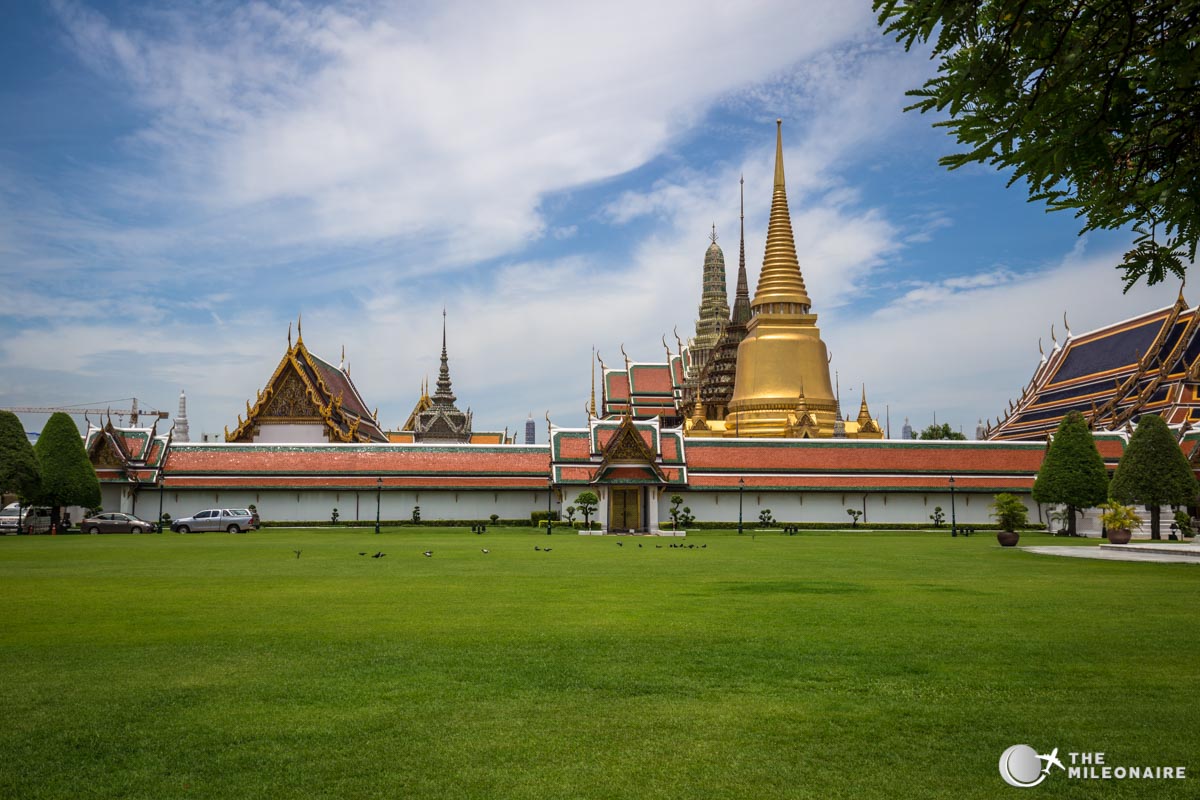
pixel 658 547
pixel 535 547
pixel 639 544
pixel 620 544
pixel 380 554
pixel 485 551
pixel 362 554
pixel 704 546
pixel 548 549
pixel 428 554
pixel 297 552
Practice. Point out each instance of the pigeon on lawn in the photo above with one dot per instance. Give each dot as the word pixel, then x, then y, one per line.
pixel 362 554
pixel 297 552
pixel 485 551
pixel 428 554
pixel 658 547
pixel 535 547
pixel 548 549
pixel 380 554
pixel 620 544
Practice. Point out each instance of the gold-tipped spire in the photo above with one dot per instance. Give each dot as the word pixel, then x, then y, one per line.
pixel 592 407
pixel 780 281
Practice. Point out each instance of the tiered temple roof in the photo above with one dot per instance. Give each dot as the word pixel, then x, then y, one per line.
pixel 307 390
pixel 440 420
pixel 126 455
pixel 618 451
pixel 644 390
pixel 1113 375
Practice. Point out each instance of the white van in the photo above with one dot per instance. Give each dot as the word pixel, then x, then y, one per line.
pixel 34 519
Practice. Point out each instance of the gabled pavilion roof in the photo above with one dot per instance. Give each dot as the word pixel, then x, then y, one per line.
pixel 308 389
pixel 620 450
pixel 126 455
pixel 1113 375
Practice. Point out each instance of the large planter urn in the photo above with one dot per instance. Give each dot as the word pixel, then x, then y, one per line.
pixel 1119 535
pixel 1008 538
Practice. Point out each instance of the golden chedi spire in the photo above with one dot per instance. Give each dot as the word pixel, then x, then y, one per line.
pixel 780 280
pixel 782 356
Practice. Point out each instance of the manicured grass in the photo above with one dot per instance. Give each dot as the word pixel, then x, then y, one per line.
pixel 856 665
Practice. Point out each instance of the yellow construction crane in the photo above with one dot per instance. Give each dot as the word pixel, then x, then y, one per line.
pixel 133 412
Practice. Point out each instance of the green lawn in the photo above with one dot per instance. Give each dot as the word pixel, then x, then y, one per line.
pixel 856 665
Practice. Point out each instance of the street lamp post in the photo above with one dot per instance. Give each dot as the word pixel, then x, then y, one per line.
pixel 741 492
pixel 953 523
pixel 549 502
pixel 378 496
pixel 160 499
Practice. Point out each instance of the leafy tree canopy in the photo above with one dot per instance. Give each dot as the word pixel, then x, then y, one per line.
pixel 942 431
pixel 1153 471
pixel 1094 103
pixel 1073 471
pixel 19 470
pixel 68 478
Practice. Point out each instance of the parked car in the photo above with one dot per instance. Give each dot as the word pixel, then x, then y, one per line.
pixel 234 520
pixel 115 522
pixel 34 519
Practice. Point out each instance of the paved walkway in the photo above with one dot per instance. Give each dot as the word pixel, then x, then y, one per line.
pixel 1158 552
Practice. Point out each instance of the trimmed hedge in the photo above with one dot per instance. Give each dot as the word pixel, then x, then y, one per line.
pixel 747 525
pixel 866 526
pixel 397 523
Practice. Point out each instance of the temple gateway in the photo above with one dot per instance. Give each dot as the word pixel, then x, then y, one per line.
pixel 741 421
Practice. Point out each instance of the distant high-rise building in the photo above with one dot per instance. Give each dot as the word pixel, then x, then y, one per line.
pixel 530 430
pixel 181 420
pixel 906 431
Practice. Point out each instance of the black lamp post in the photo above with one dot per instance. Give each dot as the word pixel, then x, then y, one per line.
pixel 378 496
pixel 953 523
pixel 160 499
pixel 741 492
pixel 549 501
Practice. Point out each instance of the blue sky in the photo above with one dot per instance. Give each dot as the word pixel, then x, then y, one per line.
pixel 178 182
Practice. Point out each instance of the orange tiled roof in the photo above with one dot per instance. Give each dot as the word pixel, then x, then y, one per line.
pixel 465 466
pixel 863 456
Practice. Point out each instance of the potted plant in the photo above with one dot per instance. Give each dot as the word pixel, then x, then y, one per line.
pixel 1011 514
pixel 1119 520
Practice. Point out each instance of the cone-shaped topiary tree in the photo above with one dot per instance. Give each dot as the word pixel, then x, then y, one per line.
pixel 19 470
pixel 68 478
pixel 1073 471
pixel 1153 471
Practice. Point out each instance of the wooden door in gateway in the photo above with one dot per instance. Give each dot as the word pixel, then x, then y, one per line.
pixel 624 509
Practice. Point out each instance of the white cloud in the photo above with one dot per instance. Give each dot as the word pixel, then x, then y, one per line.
pixel 341 126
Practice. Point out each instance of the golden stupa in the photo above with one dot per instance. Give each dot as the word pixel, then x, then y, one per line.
pixel 782 387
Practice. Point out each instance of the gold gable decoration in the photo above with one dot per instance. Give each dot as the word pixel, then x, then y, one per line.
pixel 627 446
pixel 105 454
pixel 290 399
